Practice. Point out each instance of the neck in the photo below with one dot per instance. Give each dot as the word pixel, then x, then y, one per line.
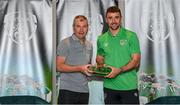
pixel 114 32
pixel 82 41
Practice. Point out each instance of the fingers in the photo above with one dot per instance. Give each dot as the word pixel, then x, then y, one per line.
pixel 87 70
pixel 113 73
pixel 90 71
pixel 110 75
pixel 87 73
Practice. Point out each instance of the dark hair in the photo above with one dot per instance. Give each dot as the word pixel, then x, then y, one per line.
pixel 113 9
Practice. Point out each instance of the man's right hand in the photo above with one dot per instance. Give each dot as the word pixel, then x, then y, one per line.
pixel 85 69
pixel 100 61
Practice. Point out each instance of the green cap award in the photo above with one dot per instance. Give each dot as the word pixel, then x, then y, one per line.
pixel 100 71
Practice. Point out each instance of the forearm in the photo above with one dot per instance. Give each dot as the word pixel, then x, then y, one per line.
pixel 100 60
pixel 63 67
pixel 131 65
pixel 134 63
pixel 68 68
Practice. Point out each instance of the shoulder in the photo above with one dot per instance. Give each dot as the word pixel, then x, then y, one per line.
pixel 63 47
pixel 65 41
pixel 129 32
pixel 88 43
pixel 103 36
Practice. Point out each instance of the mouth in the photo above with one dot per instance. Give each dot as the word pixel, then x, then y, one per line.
pixel 114 24
pixel 81 33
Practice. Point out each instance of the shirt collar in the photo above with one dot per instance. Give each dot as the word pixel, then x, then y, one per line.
pixel 118 34
pixel 74 37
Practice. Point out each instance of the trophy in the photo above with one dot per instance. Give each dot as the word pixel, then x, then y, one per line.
pixel 100 71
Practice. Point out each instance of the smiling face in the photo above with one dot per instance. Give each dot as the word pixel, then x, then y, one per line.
pixel 113 20
pixel 80 27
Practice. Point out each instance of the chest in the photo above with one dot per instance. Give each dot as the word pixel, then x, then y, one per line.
pixel 115 45
pixel 79 54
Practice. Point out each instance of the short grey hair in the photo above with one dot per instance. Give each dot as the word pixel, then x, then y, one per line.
pixel 81 17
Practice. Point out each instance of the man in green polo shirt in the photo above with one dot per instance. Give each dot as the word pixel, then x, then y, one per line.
pixel 120 50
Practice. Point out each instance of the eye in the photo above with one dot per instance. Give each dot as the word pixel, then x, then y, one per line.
pixel 117 17
pixel 77 26
pixel 85 26
pixel 109 17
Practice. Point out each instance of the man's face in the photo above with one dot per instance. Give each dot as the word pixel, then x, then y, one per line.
pixel 80 28
pixel 113 20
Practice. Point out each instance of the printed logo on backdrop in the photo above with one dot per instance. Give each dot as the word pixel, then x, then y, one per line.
pixel 156 25
pixel 19 27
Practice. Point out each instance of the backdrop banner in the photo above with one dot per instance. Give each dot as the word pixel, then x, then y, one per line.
pixel 156 24
pixel 26 48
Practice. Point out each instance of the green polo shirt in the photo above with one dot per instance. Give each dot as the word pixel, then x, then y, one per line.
pixel 117 51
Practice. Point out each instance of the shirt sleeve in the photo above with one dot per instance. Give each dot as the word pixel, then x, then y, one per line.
pixel 134 44
pixel 62 49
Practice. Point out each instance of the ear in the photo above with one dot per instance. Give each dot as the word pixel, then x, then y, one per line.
pixel 106 19
pixel 121 18
pixel 73 28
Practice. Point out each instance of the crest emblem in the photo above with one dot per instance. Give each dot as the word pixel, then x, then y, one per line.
pixel 20 27
pixel 157 24
pixel 123 42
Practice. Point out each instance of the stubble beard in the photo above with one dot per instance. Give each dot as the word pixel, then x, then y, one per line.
pixel 115 27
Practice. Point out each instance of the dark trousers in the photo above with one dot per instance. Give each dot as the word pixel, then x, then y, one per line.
pixel 121 97
pixel 70 97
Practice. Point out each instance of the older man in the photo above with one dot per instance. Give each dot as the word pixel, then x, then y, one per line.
pixel 73 58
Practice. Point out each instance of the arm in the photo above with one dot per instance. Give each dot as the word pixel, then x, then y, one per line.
pixel 62 67
pixel 100 60
pixel 134 63
pixel 100 55
pixel 135 58
pixel 135 54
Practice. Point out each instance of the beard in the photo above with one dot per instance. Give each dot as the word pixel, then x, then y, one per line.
pixel 114 26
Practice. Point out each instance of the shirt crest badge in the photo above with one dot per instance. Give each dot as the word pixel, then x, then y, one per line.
pixel 123 42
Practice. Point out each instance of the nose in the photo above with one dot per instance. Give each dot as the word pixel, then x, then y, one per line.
pixel 81 28
pixel 113 20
